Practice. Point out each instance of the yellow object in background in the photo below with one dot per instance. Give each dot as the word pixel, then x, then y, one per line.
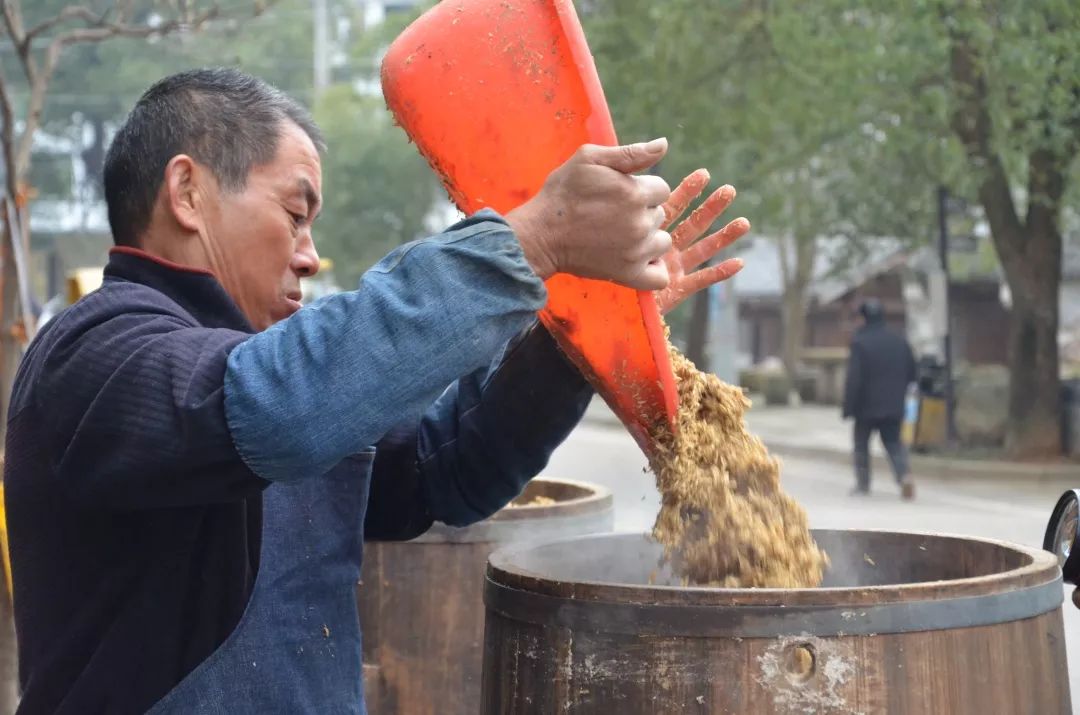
pixel 911 417
pixel 907 433
pixel 82 281
pixel 4 543
pixel 930 427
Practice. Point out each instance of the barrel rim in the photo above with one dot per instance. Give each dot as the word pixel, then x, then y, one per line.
pixel 772 621
pixel 1041 569
pixel 598 499
pixel 594 512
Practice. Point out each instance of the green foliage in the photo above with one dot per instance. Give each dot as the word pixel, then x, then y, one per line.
pixel 840 104
pixel 376 187
pixel 836 117
pixel 841 117
pixel 831 117
pixel 775 99
pixel 105 78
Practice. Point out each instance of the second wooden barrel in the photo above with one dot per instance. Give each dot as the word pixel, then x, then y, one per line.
pixel 904 624
pixel 421 601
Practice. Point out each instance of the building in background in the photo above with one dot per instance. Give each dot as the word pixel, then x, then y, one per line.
pixel 1070 308
pixel 886 270
pixel 69 224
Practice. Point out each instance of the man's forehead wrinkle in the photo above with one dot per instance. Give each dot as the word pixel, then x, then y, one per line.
pixel 309 192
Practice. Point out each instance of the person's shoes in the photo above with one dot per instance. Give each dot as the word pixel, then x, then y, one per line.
pixel 859 492
pixel 907 489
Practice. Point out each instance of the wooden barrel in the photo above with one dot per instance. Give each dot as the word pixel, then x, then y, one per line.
pixel 924 624
pixel 421 601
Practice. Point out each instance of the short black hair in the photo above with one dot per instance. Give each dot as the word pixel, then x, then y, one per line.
pixel 223 118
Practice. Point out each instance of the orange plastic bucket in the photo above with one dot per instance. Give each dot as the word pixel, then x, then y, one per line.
pixel 497 94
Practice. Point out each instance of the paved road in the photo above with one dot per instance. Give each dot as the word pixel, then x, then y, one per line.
pixel 1011 511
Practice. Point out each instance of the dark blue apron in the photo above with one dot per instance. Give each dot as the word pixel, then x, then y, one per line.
pixel 296 649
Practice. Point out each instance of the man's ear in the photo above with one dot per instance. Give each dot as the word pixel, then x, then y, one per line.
pixel 181 191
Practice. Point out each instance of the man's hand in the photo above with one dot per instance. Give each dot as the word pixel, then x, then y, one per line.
pixel 688 252
pixel 594 219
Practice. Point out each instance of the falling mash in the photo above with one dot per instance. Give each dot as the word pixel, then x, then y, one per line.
pixel 724 520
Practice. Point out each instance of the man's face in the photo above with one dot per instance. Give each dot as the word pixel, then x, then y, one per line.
pixel 260 238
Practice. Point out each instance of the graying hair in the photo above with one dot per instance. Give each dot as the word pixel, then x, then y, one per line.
pixel 225 119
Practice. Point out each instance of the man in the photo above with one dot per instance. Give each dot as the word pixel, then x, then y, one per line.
pixel 880 368
pixel 193 459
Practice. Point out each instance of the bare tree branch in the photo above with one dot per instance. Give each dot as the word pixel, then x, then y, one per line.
pixel 107 30
pixel 71 12
pixel 13 20
pixel 972 123
pixel 56 47
pixel 113 22
pixel 7 134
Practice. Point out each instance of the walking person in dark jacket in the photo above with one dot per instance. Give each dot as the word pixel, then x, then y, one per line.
pixel 880 368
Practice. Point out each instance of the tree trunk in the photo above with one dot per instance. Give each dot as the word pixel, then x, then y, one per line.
pixel 93 155
pixel 793 321
pixel 793 308
pixel 697 331
pixel 1034 426
pixel 1029 249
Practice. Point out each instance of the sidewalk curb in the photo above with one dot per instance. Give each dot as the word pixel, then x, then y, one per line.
pixel 921 465
pixel 940 468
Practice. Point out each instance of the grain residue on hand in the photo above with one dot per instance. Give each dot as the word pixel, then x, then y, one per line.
pixel 724 520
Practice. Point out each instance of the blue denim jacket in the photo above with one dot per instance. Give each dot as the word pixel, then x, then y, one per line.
pixel 342 373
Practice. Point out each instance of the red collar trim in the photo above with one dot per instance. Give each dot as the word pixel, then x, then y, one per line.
pixel 139 253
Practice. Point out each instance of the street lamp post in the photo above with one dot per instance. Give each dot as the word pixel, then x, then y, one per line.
pixel 943 255
pixel 321 40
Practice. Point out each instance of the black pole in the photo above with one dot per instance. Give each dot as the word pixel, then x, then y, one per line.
pixel 943 255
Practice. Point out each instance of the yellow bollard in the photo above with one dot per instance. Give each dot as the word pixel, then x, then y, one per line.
pixel 930 429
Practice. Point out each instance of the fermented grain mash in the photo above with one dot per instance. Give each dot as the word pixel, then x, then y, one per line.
pixel 538 500
pixel 724 520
